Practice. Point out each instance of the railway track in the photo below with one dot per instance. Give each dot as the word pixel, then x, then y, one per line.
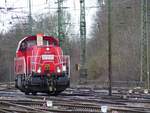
pixel 73 100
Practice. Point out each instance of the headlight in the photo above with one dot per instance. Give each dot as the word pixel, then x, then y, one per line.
pixel 39 70
pixel 58 70
pixel 63 68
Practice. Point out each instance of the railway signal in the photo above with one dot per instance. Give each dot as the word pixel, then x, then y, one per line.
pixel 77 67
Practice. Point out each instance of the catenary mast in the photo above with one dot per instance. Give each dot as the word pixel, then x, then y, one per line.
pixel 83 69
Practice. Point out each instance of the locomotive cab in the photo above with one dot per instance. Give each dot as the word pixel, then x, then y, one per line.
pixel 40 65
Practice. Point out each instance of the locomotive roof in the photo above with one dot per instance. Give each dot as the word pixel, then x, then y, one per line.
pixel 50 38
pixel 30 38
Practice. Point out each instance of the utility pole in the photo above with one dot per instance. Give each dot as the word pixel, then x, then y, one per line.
pixel 30 18
pixel 109 48
pixel 61 34
pixel 83 69
pixel 144 77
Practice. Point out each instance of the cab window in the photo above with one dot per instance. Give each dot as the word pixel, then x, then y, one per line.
pixel 23 46
pixel 46 42
pixel 31 43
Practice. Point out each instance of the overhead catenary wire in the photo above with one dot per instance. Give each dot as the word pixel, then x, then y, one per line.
pixel 23 11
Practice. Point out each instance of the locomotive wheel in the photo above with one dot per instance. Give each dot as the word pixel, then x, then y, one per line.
pixel 26 93
pixel 57 93
pixel 16 86
pixel 54 93
pixel 34 93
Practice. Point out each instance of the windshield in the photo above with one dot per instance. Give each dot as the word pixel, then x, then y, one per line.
pixel 31 43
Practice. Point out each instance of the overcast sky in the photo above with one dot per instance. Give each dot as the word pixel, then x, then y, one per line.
pixel 42 7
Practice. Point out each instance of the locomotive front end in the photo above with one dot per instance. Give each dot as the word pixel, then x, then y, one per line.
pixel 50 66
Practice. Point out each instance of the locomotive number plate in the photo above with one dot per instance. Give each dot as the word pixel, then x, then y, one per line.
pixel 47 57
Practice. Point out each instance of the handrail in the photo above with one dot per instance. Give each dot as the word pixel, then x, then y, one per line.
pixel 38 59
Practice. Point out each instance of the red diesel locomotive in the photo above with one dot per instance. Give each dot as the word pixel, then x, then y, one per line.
pixel 40 65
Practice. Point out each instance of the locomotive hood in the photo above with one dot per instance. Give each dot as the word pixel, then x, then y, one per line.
pixel 47 59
